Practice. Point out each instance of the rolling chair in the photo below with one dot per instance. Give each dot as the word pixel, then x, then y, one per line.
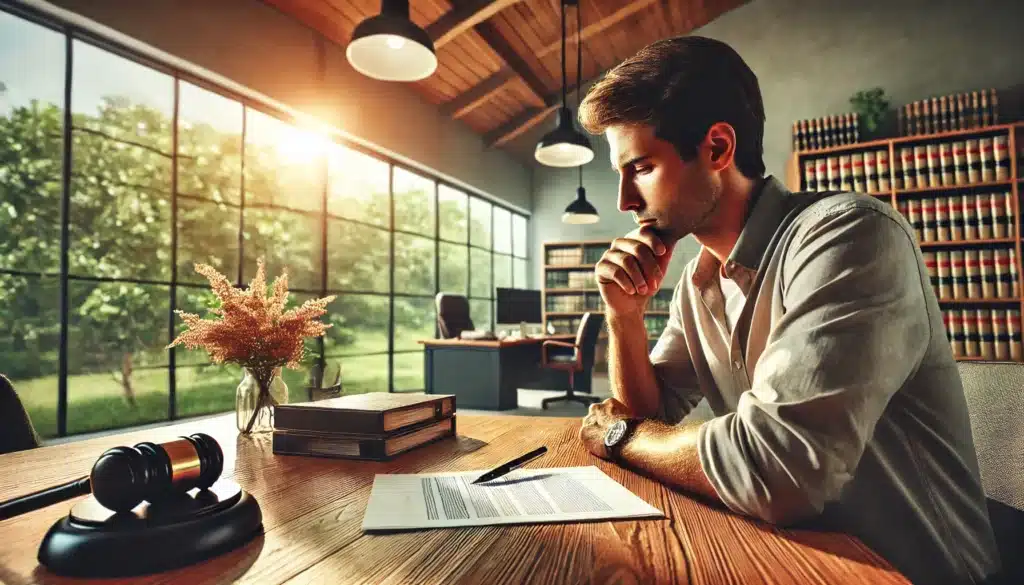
pixel 16 431
pixel 580 360
pixel 452 315
pixel 995 405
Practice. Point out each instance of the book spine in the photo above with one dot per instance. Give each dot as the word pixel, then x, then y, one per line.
pixel 987 341
pixel 871 171
pixel 1003 285
pixel 960 163
pixel 946 163
pixel 973 273
pixel 909 170
pixel 956 218
pixel 961 112
pixel 941 219
pixel 1014 281
pixel 970 218
pixel 921 166
pixel 994 105
pixel 1011 217
pixel 931 263
pixel 798 144
pixel 974 119
pixel 903 206
pixel 914 217
pixel 986 114
pixel 1001 335
pixel 926 114
pixel 984 216
pixel 959 338
pixel 947 325
pixel 855 120
pixel 845 173
pixel 821 173
pixel 944 114
pixel 859 180
pixel 957 268
pixel 901 121
pixel 1001 155
pixel 971 348
pixel 928 218
pixel 988 274
pixel 985 157
pixel 944 291
pixel 973 161
pixel 882 162
pixel 1013 329
pixel 998 212
pixel 934 165
pixel 810 182
pixel 830 135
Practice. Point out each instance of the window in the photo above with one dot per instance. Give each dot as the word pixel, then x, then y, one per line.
pixel 231 183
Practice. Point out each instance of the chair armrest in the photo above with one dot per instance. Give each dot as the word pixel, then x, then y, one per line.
pixel 544 349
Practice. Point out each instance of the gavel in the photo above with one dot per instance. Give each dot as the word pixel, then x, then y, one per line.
pixel 123 477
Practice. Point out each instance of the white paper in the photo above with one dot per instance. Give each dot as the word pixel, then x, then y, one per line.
pixel 525 496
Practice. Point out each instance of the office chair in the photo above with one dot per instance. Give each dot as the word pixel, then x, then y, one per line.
pixel 452 315
pixel 995 405
pixel 580 360
pixel 16 431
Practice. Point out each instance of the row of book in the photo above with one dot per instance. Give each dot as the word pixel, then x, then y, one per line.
pixel 952 163
pixel 560 303
pixel 563 325
pixel 655 324
pixel 564 256
pixel 960 218
pixel 578 279
pixel 826 132
pixel 661 300
pixel 973 274
pixel 984 333
pixel 375 426
pixel 946 113
pixel 941 164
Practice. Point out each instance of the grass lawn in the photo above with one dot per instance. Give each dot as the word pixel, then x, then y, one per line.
pixel 96 401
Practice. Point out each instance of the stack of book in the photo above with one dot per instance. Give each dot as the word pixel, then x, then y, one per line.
pixel 375 426
pixel 960 111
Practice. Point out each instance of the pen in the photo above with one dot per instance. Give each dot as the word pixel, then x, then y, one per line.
pixel 514 464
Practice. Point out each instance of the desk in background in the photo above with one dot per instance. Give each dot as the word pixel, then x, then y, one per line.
pixel 485 374
pixel 313 511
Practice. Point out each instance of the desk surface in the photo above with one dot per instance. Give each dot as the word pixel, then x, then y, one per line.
pixel 507 342
pixel 313 509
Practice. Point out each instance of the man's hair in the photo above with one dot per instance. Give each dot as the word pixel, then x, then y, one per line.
pixel 681 86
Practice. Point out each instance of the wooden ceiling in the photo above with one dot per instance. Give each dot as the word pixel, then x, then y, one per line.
pixel 499 61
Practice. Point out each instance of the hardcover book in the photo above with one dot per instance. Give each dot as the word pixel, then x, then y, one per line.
pixel 354 446
pixel 374 413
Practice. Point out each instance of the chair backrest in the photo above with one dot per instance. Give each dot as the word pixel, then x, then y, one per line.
pixel 452 315
pixel 995 404
pixel 586 338
pixel 16 431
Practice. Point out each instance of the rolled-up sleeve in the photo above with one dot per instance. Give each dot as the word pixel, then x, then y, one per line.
pixel 679 392
pixel 854 328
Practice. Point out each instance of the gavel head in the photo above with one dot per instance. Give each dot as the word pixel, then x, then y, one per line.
pixel 125 476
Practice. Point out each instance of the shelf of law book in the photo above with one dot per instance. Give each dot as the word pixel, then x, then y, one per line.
pixel 984 334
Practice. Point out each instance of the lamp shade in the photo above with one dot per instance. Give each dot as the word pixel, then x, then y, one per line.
pixel 564 146
pixel 390 47
pixel 580 211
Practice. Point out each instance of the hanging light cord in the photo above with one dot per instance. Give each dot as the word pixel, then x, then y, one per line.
pixel 579 60
pixel 565 101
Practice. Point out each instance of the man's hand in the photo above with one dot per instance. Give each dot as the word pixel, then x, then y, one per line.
pixel 631 272
pixel 597 421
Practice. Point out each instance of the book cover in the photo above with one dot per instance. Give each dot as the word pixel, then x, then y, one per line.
pixel 946 163
pixel 373 413
pixel 347 446
pixel 1001 155
pixel 956 218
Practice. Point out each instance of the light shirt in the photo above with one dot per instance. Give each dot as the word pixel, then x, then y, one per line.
pixel 837 401
pixel 734 299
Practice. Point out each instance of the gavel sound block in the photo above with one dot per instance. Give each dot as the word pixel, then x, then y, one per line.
pixel 152 507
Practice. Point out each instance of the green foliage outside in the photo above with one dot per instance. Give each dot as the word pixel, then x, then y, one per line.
pixel 120 228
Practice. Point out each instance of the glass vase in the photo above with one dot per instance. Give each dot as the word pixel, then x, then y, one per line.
pixel 257 395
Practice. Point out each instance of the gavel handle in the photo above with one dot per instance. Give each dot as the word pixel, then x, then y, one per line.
pixel 43 498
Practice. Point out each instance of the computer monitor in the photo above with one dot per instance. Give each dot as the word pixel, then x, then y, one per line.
pixel 517 305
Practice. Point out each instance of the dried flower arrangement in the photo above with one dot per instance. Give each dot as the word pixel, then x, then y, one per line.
pixel 254 330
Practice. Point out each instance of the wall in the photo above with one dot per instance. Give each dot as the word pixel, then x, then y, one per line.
pixel 254 47
pixel 810 56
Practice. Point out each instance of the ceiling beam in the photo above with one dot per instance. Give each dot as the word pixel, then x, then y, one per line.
pixel 464 16
pixel 512 59
pixel 479 94
pixel 528 118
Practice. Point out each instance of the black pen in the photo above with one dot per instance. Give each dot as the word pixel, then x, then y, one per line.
pixel 514 464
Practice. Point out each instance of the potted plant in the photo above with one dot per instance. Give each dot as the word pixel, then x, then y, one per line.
pixel 872 107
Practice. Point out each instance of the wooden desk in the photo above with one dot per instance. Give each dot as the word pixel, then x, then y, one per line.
pixel 313 509
pixel 486 374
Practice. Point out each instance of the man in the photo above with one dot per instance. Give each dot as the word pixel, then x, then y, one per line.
pixel 807 321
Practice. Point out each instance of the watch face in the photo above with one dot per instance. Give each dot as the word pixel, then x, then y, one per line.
pixel 615 433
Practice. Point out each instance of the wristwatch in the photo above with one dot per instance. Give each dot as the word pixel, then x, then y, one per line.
pixel 617 435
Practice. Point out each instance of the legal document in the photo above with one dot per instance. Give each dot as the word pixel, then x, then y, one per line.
pixel 524 496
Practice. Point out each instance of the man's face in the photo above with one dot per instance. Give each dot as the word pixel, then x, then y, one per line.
pixel 675 197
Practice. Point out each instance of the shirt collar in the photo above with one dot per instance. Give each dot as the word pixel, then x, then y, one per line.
pixel 767 211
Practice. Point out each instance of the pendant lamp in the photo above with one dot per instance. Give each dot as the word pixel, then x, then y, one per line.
pixel 565 146
pixel 580 211
pixel 391 47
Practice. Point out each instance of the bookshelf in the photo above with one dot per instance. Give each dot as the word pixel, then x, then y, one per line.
pixel 570 291
pixel 961 192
